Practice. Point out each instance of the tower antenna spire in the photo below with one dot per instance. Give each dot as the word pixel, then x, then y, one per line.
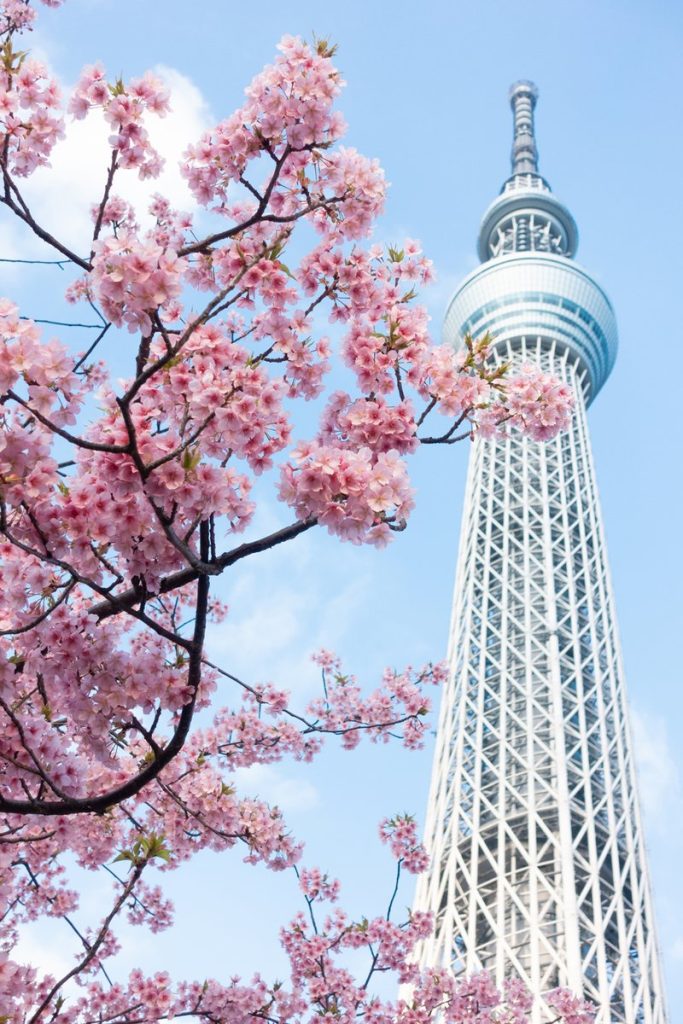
pixel 524 156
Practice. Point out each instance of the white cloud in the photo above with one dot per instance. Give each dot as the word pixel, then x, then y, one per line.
pixel 285 604
pixel 47 957
pixel 60 196
pixel 658 773
pixel 280 620
pixel 271 784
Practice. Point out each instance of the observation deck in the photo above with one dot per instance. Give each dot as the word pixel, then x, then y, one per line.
pixel 528 286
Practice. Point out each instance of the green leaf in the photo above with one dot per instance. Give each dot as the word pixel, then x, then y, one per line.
pixel 154 846
pixel 323 47
pixel 145 849
pixel 12 59
pixel 285 268
pixel 191 459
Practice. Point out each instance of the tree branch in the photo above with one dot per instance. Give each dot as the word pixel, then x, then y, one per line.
pixel 123 602
pixel 100 803
pixel 21 210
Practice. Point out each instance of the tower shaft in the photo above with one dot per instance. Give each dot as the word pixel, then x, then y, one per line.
pixel 538 865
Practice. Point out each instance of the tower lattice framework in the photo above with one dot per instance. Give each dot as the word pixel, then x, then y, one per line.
pixel 538 864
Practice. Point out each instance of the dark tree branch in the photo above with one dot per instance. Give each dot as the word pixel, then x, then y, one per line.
pixel 79 442
pixel 27 627
pixel 18 206
pixel 101 802
pixel 113 167
pixel 95 945
pixel 116 603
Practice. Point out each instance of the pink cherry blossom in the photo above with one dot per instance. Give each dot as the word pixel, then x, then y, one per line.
pixel 30 121
pixel 121 500
pixel 401 835
pixel 124 107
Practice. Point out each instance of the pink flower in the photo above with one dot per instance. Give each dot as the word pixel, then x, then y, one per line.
pixel 121 497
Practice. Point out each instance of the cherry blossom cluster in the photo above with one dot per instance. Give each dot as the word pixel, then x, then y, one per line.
pixel 358 496
pixel 477 998
pixel 442 375
pixel 374 424
pixel 571 1008
pixel 316 955
pixel 18 15
pixel 396 709
pixel 400 700
pixel 124 107
pixel 133 276
pixel 317 886
pixel 121 500
pixel 30 120
pixel 289 116
pixel 39 376
pixel 153 998
pixel 115 213
pixel 537 404
pixel 401 835
pixel 193 806
pixel 187 422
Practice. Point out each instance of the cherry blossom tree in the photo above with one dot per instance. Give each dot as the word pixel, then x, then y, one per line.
pixel 121 503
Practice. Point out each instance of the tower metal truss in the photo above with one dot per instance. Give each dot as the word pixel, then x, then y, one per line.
pixel 538 863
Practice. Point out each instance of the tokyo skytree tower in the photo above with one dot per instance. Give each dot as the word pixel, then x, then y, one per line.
pixel 537 854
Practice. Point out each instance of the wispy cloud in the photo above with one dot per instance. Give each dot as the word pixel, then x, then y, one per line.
pixel 288 793
pixel 281 610
pixel 660 784
pixel 48 957
pixel 61 196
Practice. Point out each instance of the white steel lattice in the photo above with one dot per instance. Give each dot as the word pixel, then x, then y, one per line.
pixel 537 854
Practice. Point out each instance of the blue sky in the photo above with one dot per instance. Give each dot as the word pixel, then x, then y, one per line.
pixel 427 94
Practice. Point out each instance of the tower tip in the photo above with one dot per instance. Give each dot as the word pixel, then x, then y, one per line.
pixel 524 156
pixel 523 87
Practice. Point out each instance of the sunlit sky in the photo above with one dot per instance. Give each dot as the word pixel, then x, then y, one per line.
pixel 427 94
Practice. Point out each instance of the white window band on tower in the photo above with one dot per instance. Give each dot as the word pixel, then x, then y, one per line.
pixel 537 854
